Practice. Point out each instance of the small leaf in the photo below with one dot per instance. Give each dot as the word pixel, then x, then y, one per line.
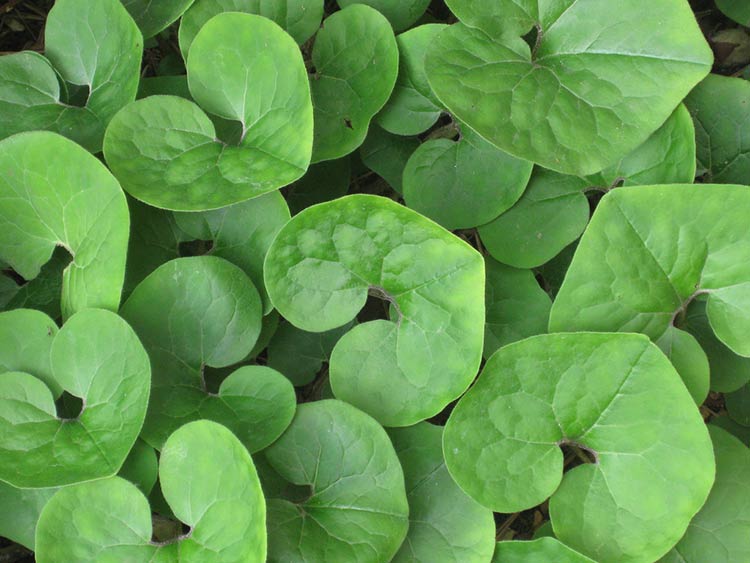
pixel 20 513
pixel 96 357
pixel 463 184
pixel 387 155
pixel 356 509
pixel 355 57
pixel 401 13
pixel 319 271
pixel 210 315
pixel 153 16
pixel 241 67
pixel 615 395
pixel 543 550
pixel 596 84
pixel 141 467
pixel 54 193
pixel 94 45
pixel 322 182
pixel 208 479
pixel 445 524
pixel 300 18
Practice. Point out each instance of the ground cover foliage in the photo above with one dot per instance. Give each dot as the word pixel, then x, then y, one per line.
pixel 359 281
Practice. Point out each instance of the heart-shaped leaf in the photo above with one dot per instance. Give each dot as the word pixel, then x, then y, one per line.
pixel 96 357
pixel 543 550
pixel 54 193
pixel 664 246
pixel 244 68
pixel 241 233
pixel 445 524
pixel 516 306
pixel 595 85
pixel 719 532
pixel 355 58
pixel 209 481
pixel 92 45
pixel 210 315
pixel 319 271
pixel 356 508
pixel 463 184
pixel 719 108
pixel 615 395
pixel 300 18
pixel 401 13
pixel 153 16
pixel 412 108
pixel 554 209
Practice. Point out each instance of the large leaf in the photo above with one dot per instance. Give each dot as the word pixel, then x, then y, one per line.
pixel 356 509
pixel 719 532
pixel 543 550
pixel 401 13
pixel 153 16
pixel 719 108
pixel 649 251
pixel 54 193
pixel 96 357
pixel 92 45
pixel 209 316
pixel 412 109
pixel 319 271
pixel 210 483
pixel 596 84
pixel 242 68
pixel 355 60
pixel 300 18
pixel 554 209
pixel 615 395
pixel 463 184
pixel 241 233
pixel 445 524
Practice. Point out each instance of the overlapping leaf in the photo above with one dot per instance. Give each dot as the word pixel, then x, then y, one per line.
pixel 318 273
pixel 241 67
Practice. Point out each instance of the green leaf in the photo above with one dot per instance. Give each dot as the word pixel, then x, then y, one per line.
pixel 740 432
pixel 54 193
pixel 355 58
pixel 20 513
pixel 719 532
pixel 96 357
pixel 241 233
pixel 208 479
pixel 516 306
pixel 210 316
pixel 356 508
pixel 738 405
pixel 738 10
pixel 387 155
pixel 664 246
pixel 94 45
pixel 718 106
pixel 141 467
pixel 412 109
pixel 597 83
pixel 322 182
pixel 243 68
pixel 43 292
pixel 615 395
pixel 554 210
pixel 445 524
pixel 463 184
pixel 319 271
pixel 689 359
pixel 153 16
pixel 300 355
pixel 300 18
pixel 543 550
pixel 728 371
pixel 401 13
